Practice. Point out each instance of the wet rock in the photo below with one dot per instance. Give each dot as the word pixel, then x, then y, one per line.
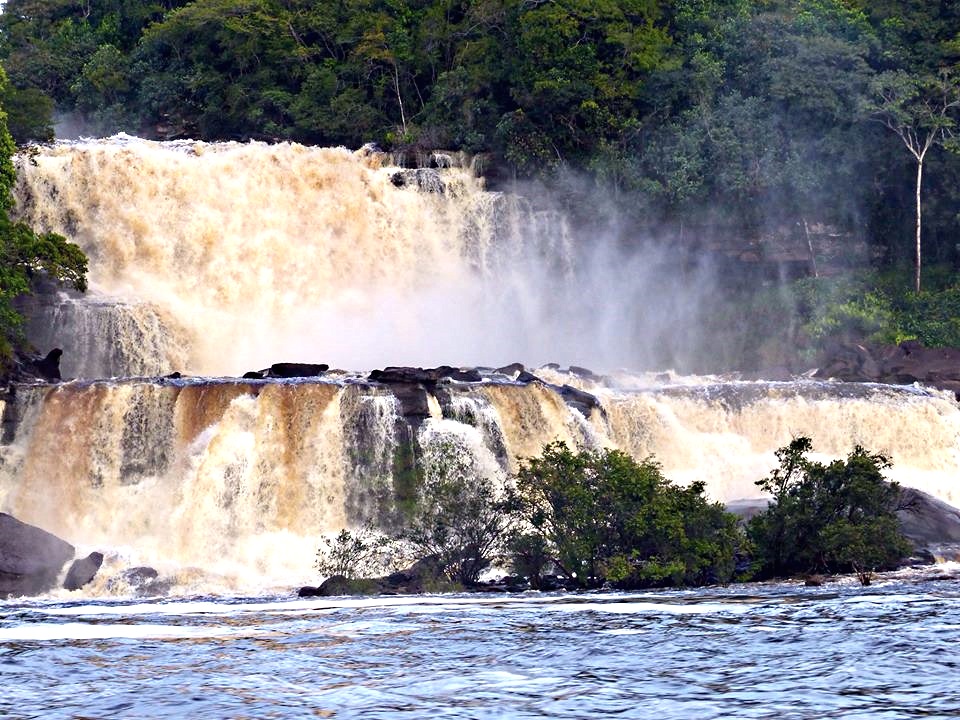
pixel 30 558
pixel 584 373
pixel 931 525
pixel 813 581
pixel 28 367
pixel 527 377
pixel 579 399
pixel 511 369
pixel 295 370
pixel 82 571
pixel 174 376
pixel 253 375
pixel 49 366
pixel 139 575
pixel 422 179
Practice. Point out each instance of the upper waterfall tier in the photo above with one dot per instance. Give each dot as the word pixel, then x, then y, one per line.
pixel 252 253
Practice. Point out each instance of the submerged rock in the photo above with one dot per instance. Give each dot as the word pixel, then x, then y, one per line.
pixel 143 580
pixel 30 558
pixel 82 571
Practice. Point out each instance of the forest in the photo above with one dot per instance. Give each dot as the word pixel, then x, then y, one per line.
pixel 828 125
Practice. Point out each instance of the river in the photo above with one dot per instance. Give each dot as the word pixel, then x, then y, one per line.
pixel 751 651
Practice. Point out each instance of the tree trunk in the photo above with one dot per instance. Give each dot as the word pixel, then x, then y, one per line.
pixel 403 118
pixel 916 275
pixel 813 255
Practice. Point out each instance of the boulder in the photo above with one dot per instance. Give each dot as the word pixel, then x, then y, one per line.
pixel 579 399
pixel 30 558
pixel 422 179
pixel 28 367
pixel 931 525
pixel 295 370
pixel 143 580
pixel 585 373
pixel 49 366
pixel 511 369
pixel 82 571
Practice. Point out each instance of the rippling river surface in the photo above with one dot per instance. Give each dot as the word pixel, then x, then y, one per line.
pixel 757 651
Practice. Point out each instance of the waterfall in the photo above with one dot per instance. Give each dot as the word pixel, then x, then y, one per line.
pixel 238 480
pixel 246 254
pixel 214 259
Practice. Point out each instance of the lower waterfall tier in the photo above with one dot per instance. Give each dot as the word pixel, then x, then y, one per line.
pixel 226 483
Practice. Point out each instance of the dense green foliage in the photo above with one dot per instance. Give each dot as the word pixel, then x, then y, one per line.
pixel 703 119
pixel 828 518
pixel 24 253
pixel 600 516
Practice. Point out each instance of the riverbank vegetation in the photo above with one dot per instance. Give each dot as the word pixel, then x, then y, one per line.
pixel 599 518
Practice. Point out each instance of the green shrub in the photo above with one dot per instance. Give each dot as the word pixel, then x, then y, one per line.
pixel 597 516
pixel 828 518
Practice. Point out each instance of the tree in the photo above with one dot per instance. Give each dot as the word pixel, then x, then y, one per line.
pixel 598 516
pixel 831 517
pixel 922 111
pixel 460 517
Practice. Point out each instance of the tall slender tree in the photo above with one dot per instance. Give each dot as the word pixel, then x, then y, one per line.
pixel 923 112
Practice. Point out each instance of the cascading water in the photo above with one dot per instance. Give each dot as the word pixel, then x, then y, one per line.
pixel 216 259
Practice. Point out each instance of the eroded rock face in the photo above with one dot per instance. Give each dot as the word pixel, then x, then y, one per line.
pixel 30 558
pixel 903 364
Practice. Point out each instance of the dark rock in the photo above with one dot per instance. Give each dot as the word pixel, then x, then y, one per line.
pixel 931 525
pixel 254 375
pixel 579 399
pixel 139 575
pixel 83 571
pixel 309 591
pixel 527 377
pixel 295 370
pixel 174 376
pixel 511 369
pixel 414 401
pixel 335 585
pixel 423 179
pixel 30 558
pixel 813 581
pixel 143 580
pixel 49 366
pixel 468 375
pixel 584 373
pixel 28 367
